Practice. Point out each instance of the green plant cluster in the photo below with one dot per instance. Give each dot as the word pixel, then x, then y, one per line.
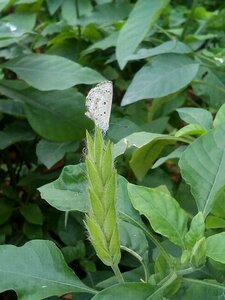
pixel 138 213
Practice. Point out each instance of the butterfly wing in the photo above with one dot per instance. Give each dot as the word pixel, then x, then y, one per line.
pixel 99 103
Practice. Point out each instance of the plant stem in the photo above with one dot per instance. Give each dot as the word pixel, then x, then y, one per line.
pixel 117 273
pixel 138 257
pixel 189 19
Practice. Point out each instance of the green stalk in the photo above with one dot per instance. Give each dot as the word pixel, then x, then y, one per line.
pixel 101 220
pixel 138 257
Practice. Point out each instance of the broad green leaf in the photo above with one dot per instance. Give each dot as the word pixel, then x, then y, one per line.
pixel 49 153
pixel 44 112
pixel 215 247
pixel 36 271
pixel 144 157
pixel 10 107
pixel 167 47
pixel 163 212
pixel 220 116
pixel 51 72
pixel 68 192
pixel 134 239
pixel 218 208
pixel 202 167
pixel 155 81
pixel 3 3
pixel 14 133
pixel 203 289
pixel 134 31
pixel 137 140
pixel 191 129
pixel 69 11
pixel 17 24
pixel 125 207
pixel 128 291
pixel 210 86
pixel 197 116
pixel 107 14
pixel 174 154
pixel 32 213
pixel 196 231
pixel 215 222
pixel 53 5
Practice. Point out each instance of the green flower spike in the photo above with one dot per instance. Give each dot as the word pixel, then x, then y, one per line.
pixel 101 220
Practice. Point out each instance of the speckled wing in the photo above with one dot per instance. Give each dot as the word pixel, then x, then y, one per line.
pixel 99 103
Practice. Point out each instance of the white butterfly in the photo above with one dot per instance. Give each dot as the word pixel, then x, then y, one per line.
pixel 99 103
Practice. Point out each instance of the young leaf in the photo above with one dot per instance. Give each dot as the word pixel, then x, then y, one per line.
pixel 197 116
pixel 215 247
pixel 163 212
pixel 196 231
pixel 191 129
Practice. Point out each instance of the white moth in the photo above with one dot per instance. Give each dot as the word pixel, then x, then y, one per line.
pixel 99 103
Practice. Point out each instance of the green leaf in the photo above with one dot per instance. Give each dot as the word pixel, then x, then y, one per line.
pixel 149 147
pixel 128 291
pixel 5 212
pixel 218 208
pixel 69 12
pixel 53 5
pixel 14 133
pixel 196 115
pixel 167 47
pixel 155 81
pixel 191 129
pixel 103 44
pixel 134 239
pixel 44 112
pixel 215 247
pixel 3 3
pixel 202 167
pixel 11 107
pixel 17 24
pixel 163 212
pixel 37 270
pixel 134 31
pixel 68 192
pixel 198 253
pixel 196 231
pixel 49 153
pixel 215 222
pixel 203 289
pixel 220 116
pixel 107 14
pixel 174 154
pixel 51 72
pixel 32 213
pixel 211 88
